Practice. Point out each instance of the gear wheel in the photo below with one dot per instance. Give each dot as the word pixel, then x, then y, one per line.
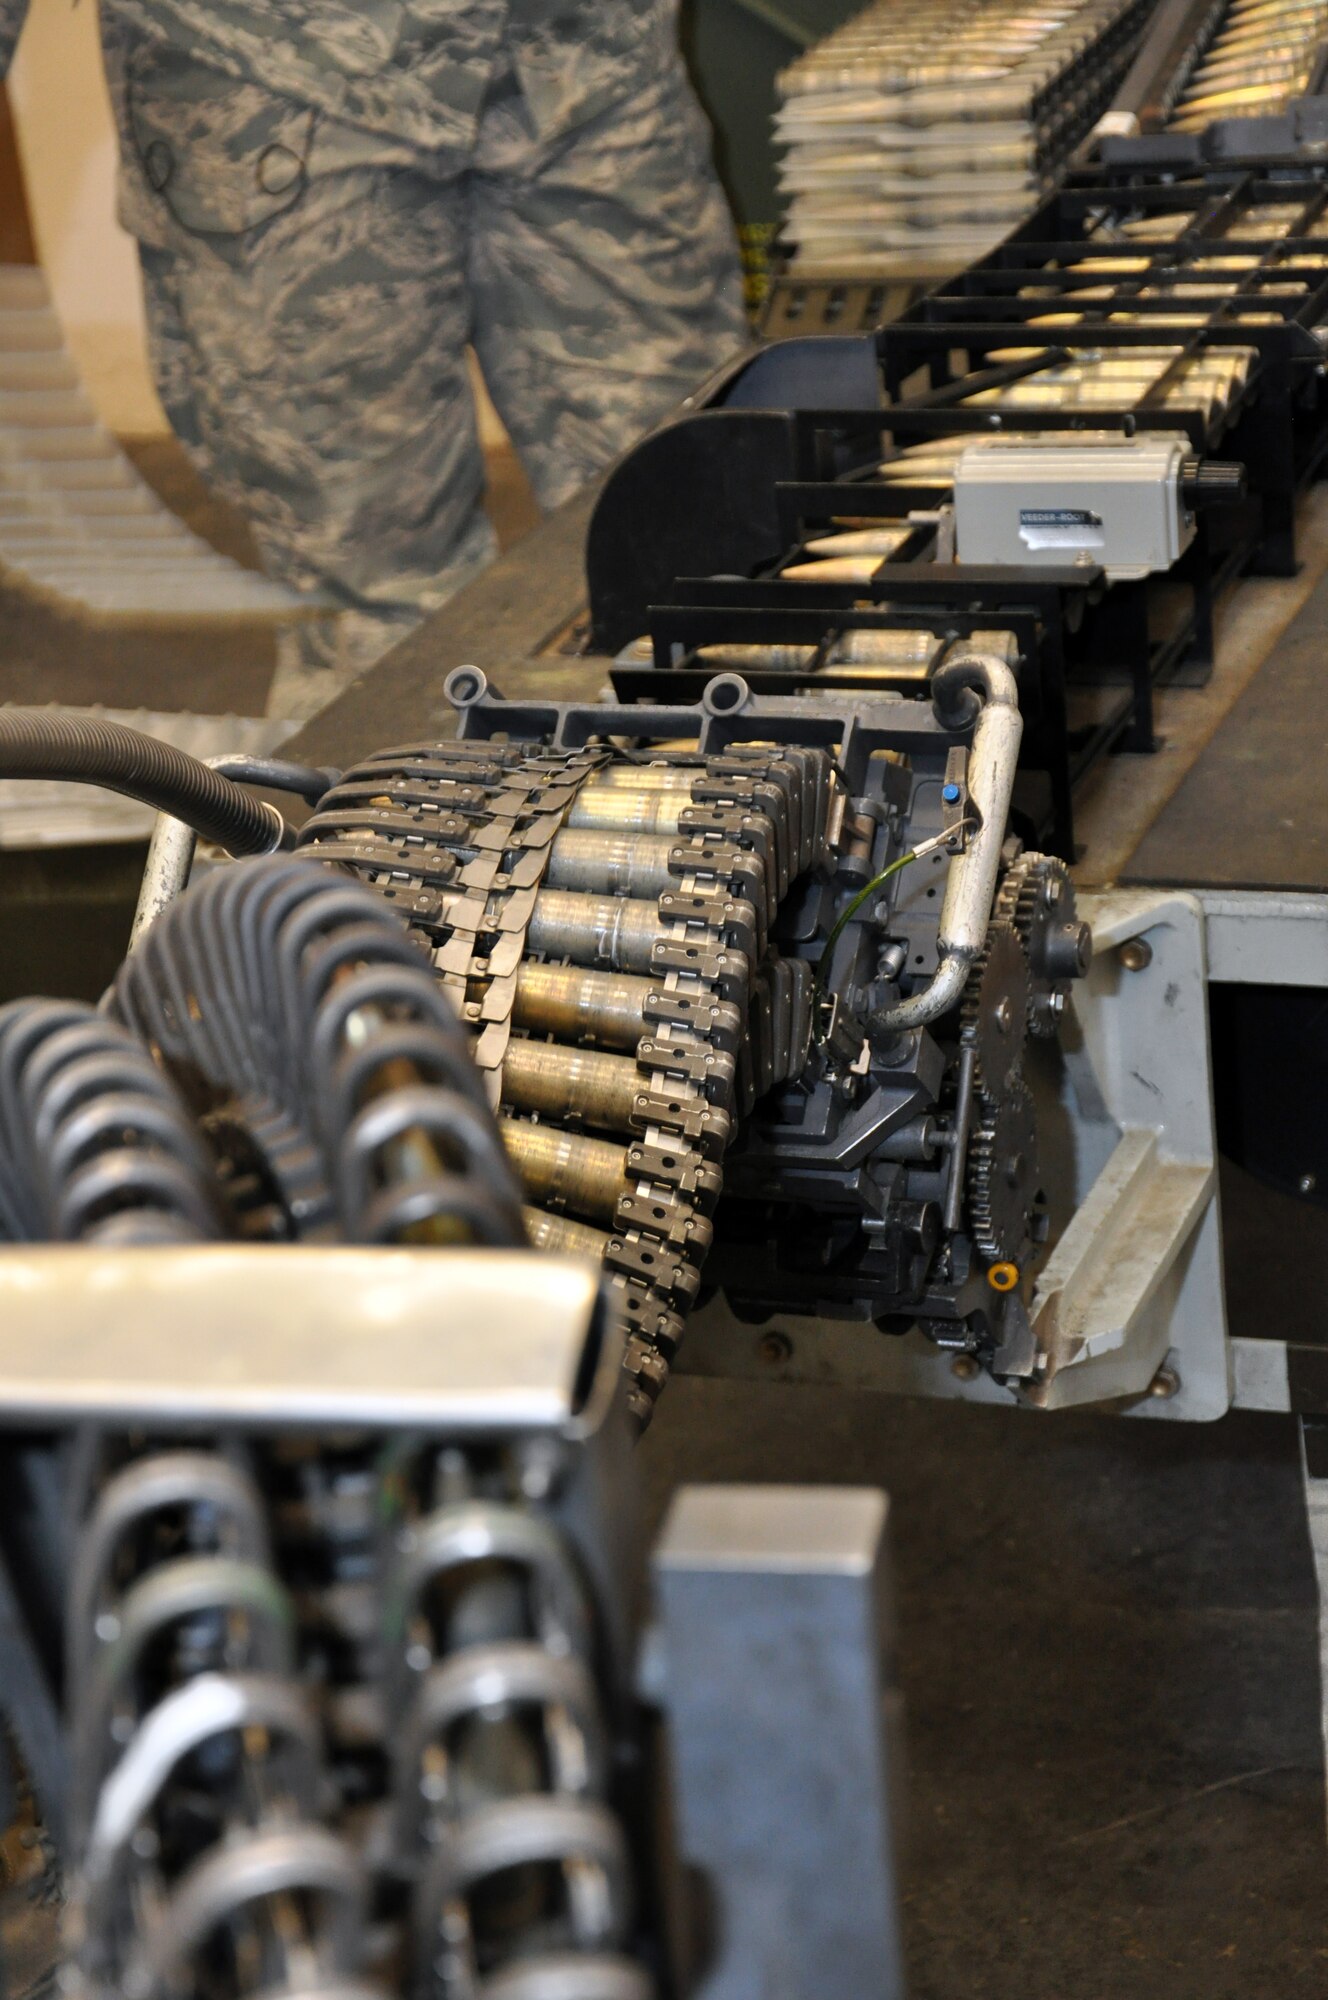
pixel 1037 898
pixel 995 1009
pixel 1003 1176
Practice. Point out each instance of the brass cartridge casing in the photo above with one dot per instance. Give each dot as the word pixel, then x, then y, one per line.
pixel 585 1175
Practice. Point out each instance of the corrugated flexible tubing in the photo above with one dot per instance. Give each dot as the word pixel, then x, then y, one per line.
pixel 35 743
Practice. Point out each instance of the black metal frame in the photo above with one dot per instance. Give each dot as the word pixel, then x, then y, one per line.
pixel 693 529
pixel 852 727
pixel 1277 425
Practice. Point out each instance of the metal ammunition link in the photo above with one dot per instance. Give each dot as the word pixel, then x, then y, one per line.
pixel 501 1831
pixel 198 1769
pixel 311 1678
pixel 459 837
pixel 615 912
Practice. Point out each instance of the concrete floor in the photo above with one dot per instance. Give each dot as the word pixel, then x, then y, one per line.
pixel 1107 1648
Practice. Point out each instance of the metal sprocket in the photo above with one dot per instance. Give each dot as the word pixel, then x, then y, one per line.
pixel 1037 898
pixel 1003 1176
pixel 995 1008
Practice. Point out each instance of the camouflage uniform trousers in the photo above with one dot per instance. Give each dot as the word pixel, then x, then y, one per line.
pixel 312 286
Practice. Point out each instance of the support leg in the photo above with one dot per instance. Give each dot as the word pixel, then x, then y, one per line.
pixel 777 1676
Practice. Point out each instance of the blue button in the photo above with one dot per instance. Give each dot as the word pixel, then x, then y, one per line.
pixel 950 793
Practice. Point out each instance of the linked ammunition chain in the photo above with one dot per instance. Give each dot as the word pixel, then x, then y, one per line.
pixel 200 1788
pixel 328 1071
pixel 602 921
pixel 96 1145
pixel 338 1727
pixel 346 1718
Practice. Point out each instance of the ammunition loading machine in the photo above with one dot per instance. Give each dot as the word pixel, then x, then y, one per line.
pixel 749 1016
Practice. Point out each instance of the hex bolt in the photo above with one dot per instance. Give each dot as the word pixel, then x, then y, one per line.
pixel 1135 954
pixel 1164 1384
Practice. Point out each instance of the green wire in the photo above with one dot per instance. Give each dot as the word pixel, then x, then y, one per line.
pixel 863 895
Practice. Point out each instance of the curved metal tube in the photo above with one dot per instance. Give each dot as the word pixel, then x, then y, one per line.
pixel 981 682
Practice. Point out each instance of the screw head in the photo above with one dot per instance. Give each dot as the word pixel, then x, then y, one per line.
pixel 1164 1384
pixel 1135 954
pixel 1308 1183
pixel 1004 1016
pixel 774 1348
pixel 964 1367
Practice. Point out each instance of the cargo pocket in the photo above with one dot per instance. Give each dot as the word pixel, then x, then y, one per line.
pixel 219 157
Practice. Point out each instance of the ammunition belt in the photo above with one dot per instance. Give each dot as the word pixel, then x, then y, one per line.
pixel 620 906
pixel 218 1810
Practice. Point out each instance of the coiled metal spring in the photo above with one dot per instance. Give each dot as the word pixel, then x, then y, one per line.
pixel 95 1143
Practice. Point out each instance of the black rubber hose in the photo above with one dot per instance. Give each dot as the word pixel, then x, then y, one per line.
pixel 307 781
pixel 34 743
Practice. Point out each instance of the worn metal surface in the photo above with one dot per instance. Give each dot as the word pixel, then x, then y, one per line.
pixel 1262 938
pixel 476 1339
pixel 777 1656
pixel 1136 1277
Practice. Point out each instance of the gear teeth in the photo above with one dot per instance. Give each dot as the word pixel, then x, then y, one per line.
pixel 999 1213
pixel 1000 976
pixel 1020 901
